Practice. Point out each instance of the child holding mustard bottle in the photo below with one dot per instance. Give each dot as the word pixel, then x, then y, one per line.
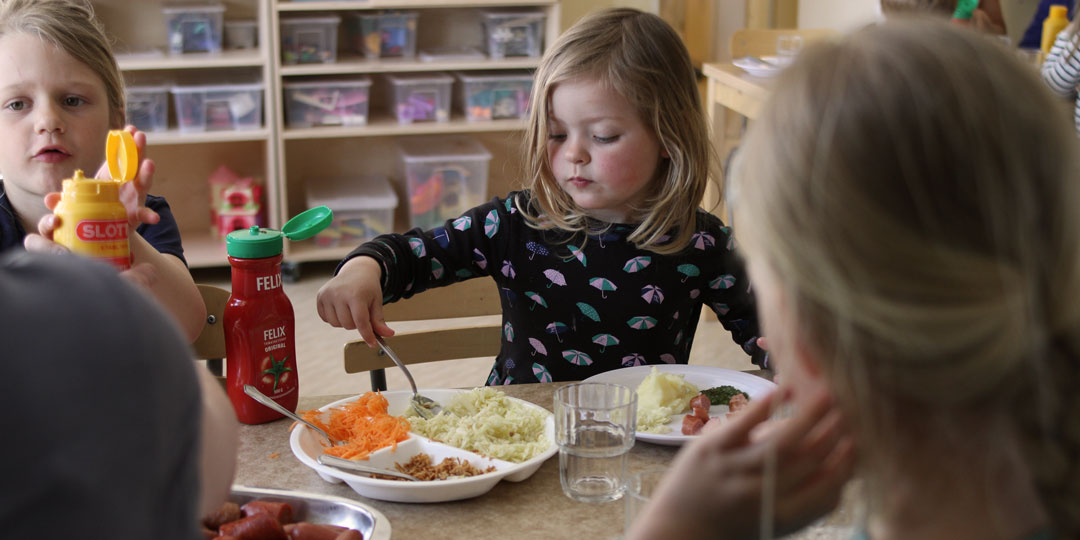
pixel 61 93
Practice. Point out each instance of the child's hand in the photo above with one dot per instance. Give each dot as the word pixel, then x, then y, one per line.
pixel 716 481
pixel 42 242
pixel 143 274
pixel 353 299
pixel 133 193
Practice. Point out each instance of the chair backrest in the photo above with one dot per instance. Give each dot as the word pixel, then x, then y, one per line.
pixel 210 345
pixel 762 41
pixel 471 298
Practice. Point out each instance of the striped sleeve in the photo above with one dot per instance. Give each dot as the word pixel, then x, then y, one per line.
pixel 1062 73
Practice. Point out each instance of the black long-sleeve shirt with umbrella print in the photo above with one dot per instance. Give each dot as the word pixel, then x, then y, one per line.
pixel 572 309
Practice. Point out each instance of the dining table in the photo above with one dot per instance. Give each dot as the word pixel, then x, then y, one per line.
pixel 729 87
pixel 730 92
pixel 533 508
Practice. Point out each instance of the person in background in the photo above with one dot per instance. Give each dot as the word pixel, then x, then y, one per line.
pixel 1032 38
pixel 1061 68
pixel 606 259
pixel 61 92
pixel 112 431
pixel 928 291
pixel 984 15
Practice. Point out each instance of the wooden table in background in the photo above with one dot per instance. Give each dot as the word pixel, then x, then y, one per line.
pixel 731 89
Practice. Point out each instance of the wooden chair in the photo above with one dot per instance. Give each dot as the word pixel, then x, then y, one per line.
pixel 210 345
pixel 471 298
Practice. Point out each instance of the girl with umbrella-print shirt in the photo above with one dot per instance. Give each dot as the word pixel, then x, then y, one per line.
pixel 572 311
pixel 605 260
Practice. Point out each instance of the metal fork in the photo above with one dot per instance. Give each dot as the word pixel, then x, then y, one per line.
pixel 424 406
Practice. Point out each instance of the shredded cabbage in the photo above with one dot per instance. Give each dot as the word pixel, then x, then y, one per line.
pixel 487 422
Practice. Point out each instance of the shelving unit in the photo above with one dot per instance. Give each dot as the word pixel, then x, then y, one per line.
pixel 285 158
pixel 185 160
pixel 317 153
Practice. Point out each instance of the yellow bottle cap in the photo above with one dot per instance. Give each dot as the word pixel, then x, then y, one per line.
pixel 82 189
pixel 1057 10
pixel 121 155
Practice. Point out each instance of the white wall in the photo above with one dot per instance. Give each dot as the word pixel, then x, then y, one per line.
pixel 730 16
pixel 572 10
pixel 842 15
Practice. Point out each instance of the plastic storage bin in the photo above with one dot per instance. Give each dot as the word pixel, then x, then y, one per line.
pixel 493 96
pixel 383 35
pixel 194 27
pixel 444 176
pixel 308 40
pixel 218 107
pixel 421 97
pixel 514 33
pixel 337 102
pixel 148 107
pixel 241 35
pixel 363 208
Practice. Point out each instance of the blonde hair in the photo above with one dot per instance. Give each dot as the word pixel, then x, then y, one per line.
pixel 71 26
pixel 641 57
pixel 923 221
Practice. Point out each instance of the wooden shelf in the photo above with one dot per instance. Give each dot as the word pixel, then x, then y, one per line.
pixel 329 153
pixel 362 65
pixel 388 126
pixel 174 136
pixel 162 61
pixel 403 4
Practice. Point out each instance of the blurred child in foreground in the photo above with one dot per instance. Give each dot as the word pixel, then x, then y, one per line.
pixel 928 291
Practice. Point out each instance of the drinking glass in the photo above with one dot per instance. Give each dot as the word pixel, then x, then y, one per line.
pixel 594 427
pixel 787 47
pixel 639 489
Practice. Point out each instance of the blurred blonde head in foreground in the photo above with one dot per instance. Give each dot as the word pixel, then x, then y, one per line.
pixel 909 203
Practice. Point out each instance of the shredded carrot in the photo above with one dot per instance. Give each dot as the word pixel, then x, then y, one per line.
pixel 364 424
pixel 275 455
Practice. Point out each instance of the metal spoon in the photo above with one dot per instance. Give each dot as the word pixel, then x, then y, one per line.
pixel 265 400
pixel 424 406
pixel 348 464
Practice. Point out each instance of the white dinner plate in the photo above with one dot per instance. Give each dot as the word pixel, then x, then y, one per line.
pixel 702 377
pixel 770 67
pixel 307 446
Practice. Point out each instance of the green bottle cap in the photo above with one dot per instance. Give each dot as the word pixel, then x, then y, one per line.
pixel 259 243
pixel 308 223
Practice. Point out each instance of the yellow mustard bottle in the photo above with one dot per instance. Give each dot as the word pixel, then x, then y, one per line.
pixel 93 221
pixel 1053 25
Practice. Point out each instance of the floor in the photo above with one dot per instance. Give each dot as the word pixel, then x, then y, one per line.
pixel 319 346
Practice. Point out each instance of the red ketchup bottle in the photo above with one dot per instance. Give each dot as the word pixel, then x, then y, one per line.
pixel 260 341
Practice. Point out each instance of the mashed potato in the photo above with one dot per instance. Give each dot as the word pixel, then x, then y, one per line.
pixel 661 396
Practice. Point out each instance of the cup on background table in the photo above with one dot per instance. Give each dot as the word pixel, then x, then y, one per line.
pixel 594 427
pixel 787 48
pixel 639 489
